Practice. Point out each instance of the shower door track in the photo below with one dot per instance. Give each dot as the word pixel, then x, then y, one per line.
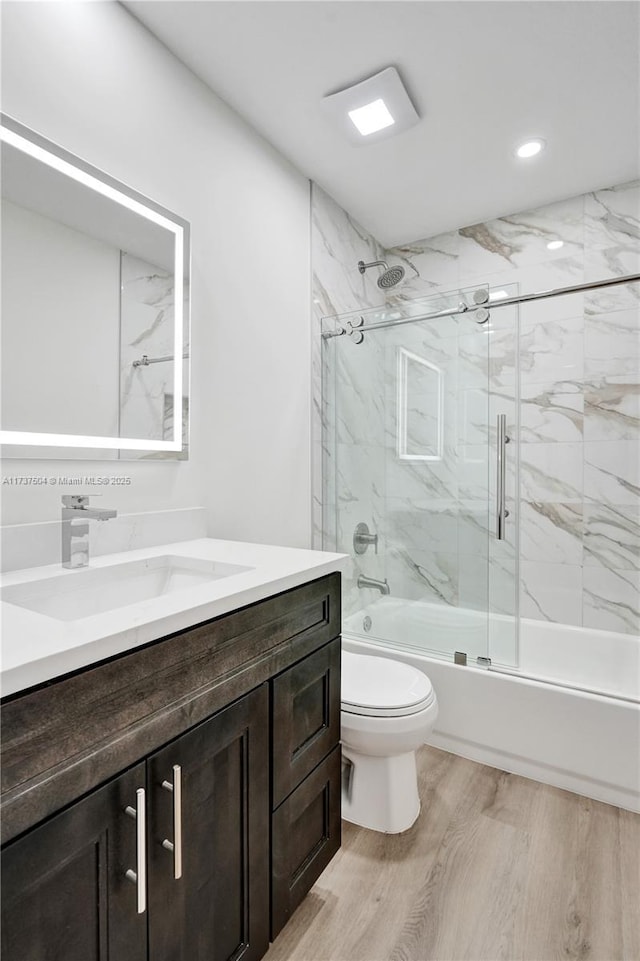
pixel 504 302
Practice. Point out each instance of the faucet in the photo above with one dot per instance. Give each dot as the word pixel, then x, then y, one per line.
pixel 382 586
pixel 75 533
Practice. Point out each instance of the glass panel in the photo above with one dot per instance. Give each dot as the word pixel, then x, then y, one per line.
pixel 406 453
pixel 503 338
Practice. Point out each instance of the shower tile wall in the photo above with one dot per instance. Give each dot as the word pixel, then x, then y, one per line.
pixel 579 362
pixel 579 407
pixel 147 328
pixel 436 509
pixel 337 244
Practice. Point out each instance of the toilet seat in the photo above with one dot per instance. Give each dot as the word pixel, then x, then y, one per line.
pixel 381 687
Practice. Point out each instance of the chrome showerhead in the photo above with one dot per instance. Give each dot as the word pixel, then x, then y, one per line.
pixel 389 277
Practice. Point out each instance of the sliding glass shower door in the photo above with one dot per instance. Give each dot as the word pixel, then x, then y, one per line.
pixel 411 404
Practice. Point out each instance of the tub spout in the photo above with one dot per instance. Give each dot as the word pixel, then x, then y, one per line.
pixel 382 586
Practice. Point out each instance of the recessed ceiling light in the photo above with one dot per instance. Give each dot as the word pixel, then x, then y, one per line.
pixel 531 148
pixel 498 295
pixel 555 244
pixel 372 109
pixel 373 116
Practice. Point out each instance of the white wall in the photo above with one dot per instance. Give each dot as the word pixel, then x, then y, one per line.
pixel 60 342
pixel 90 77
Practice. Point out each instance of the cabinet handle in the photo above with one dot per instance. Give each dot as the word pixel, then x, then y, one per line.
pixel 139 876
pixel 176 845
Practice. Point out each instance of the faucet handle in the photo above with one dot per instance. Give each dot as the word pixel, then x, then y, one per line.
pixel 362 538
pixel 77 500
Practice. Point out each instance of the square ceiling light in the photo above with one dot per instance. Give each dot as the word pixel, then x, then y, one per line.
pixel 374 109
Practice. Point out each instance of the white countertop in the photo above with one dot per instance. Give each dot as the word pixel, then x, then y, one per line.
pixel 37 648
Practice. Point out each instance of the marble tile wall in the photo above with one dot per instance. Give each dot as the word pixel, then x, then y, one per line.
pixel 147 328
pixel 564 370
pixel 347 421
pixel 574 371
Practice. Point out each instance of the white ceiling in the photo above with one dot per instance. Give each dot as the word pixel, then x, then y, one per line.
pixel 482 75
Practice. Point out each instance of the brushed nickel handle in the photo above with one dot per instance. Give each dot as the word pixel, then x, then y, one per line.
pixel 139 876
pixel 362 538
pixel 175 846
pixel 501 511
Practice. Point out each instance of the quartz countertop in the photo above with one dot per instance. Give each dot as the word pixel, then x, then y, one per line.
pixel 38 648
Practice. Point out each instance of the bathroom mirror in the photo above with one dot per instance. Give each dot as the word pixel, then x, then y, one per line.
pixel 95 308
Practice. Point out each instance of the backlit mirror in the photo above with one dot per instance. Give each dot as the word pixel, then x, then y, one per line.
pixel 95 308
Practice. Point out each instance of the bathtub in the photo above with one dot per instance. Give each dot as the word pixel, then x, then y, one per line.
pixel 561 708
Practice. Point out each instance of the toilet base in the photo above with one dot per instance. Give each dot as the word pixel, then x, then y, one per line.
pixel 381 793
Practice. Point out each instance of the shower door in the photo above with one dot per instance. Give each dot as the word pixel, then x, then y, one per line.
pixel 410 478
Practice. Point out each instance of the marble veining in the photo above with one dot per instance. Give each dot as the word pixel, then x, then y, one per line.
pixel 147 327
pixel 551 412
pixel 612 536
pixel 612 410
pixel 551 532
pixel 551 592
pixel 427 575
pixel 482 235
pixel 612 217
pixel 612 472
pixel 566 371
pixel 551 472
pixel 610 599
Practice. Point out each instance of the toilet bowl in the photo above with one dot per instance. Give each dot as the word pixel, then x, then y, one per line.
pixel 388 710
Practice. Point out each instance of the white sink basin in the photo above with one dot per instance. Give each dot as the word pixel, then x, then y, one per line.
pixel 73 595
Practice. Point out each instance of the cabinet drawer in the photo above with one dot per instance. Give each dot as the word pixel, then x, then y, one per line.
pixel 305 718
pixel 305 836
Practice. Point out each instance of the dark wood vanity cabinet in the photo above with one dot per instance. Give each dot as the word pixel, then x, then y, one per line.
pixel 305 831
pixel 64 890
pixel 217 909
pixel 240 800
pixel 66 894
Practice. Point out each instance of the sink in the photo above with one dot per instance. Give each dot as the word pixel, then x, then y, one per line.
pixel 83 593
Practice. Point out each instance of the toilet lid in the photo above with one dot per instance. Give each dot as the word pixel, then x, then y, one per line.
pixel 381 686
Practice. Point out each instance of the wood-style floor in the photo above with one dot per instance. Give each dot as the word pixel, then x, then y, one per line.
pixel 497 868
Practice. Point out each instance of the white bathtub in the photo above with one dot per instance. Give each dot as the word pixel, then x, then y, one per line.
pixel 541 726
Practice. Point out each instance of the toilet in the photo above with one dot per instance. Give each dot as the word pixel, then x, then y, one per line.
pixel 388 709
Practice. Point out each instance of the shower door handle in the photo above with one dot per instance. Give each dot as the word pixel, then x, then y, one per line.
pixel 501 474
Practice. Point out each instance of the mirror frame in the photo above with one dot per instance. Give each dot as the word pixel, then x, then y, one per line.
pixel 28 141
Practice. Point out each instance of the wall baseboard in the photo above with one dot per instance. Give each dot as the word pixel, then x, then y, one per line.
pixel 535 771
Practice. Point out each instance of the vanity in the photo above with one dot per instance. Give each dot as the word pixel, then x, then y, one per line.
pixel 171 711
pixel 171 770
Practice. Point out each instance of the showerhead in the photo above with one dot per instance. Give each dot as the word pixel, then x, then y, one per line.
pixel 389 277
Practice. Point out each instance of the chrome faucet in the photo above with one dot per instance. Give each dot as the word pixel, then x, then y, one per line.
pixel 382 586
pixel 75 533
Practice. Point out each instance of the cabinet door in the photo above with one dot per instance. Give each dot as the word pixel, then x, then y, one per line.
pixel 65 894
pixel 305 836
pixel 218 909
pixel 306 717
